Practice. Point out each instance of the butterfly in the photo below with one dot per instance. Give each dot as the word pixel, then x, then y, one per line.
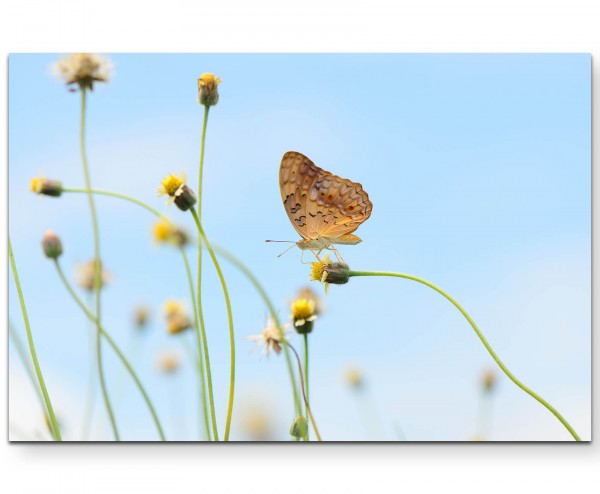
pixel 323 208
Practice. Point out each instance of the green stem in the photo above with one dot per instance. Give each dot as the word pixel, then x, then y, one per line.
pixel 36 365
pixel 308 411
pixel 233 260
pixel 211 252
pixel 198 322
pixel 91 398
pixel 14 336
pixel 114 346
pixel 481 337
pixel 306 372
pixel 97 266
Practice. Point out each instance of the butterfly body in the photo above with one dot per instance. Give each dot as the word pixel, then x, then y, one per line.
pixel 323 208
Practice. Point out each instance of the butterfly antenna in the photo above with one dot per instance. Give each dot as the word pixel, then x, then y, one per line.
pixel 290 247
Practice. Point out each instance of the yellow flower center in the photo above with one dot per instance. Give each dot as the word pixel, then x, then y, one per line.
pixel 36 185
pixel 171 183
pixel 208 80
pixel 172 308
pixel 162 231
pixel 303 308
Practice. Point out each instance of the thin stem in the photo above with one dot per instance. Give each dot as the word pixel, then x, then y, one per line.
pixel 306 371
pixel 97 266
pixel 481 337
pixel 213 257
pixel 14 336
pixel 114 346
pixel 36 365
pixel 310 415
pixel 198 322
pixel 233 260
pixel 91 398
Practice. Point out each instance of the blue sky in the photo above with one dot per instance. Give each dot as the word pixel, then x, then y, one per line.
pixel 478 167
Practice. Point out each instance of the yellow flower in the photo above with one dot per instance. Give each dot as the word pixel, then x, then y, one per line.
pixel 318 272
pixel 303 315
pixel 41 185
pixel 309 294
pixel 328 272
pixel 179 193
pixel 208 94
pixel 270 338
pixel 168 362
pixel 83 69
pixel 177 318
pixel 164 232
pixel 354 378
pixel 173 307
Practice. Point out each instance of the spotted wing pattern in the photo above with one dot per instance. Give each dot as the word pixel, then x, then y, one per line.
pixel 318 203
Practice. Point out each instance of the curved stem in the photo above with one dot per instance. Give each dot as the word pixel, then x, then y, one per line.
pixel 97 266
pixel 198 322
pixel 233 260
pixel 91 398
pixel 310 415
pixel 481 337
pixel 38 371
pixel 114 346
pixel 213 257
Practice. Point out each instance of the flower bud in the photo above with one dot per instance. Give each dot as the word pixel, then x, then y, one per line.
pixel 141 317
pixel 185 198
pixel 46 187
pixel 208 94
pixel 299 428
pixel 51 245
pixel 337 273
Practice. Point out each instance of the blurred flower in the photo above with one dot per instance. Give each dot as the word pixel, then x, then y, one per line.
pixel 141 316
pixel 83 69
pixel 165 232
pixel 354 378
pixel 256 423
pixel 177 317
pixel 45 186
pixel 489 380
pixel 309 294
pixel 304 315
pixel 179 193
pixel 270 338
pixel 84 276
pixel 168 362
pixel 51 245
pixel 299 428
pixel 208 94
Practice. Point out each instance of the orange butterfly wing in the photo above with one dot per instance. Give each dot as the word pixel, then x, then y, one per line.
pixel 318 203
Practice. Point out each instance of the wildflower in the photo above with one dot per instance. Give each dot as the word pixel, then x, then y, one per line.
pixel 304 315
pixel 271 338
pixel 83 69
pixel 85 275
pixel 488 380
pixel 309 294
pixel 256 423
pixel 328 272
pixel 141 316
pixel 208 94
pixel 51 245
pixel 299 428
pixel 168 362
pixel 47 187
pixel 179 193
pixel 177 318
pixel 165 232
pixel 354 378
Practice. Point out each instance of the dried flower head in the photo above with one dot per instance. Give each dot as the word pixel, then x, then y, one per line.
pixel 208 94
pixel 51 245
pixel 270 338
pixel 141 316
pixel 45 186
pixel 168 362
pixel 165 232
pixel 304 315
pixel 83 69
pixel 179 193
pixel 85 273
pixel 177 317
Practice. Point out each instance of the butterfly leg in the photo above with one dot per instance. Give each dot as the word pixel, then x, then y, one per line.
pixel 336 252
